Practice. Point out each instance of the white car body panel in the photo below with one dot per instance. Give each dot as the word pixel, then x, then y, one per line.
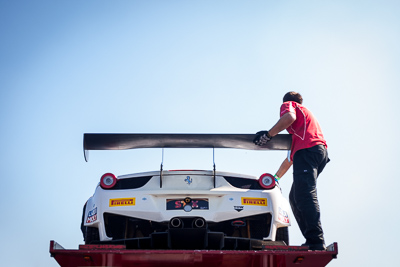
pixel 150 200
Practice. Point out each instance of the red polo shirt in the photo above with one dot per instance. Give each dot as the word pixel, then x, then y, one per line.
pixel 305 130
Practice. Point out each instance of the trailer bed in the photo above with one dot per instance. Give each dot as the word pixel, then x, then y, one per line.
pixel 119 256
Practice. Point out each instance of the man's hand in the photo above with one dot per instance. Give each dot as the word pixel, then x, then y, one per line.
pixel 262 138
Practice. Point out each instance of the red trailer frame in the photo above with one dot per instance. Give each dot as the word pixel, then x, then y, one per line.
pixel 119 256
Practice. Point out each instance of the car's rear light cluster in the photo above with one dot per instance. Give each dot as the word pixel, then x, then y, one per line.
pixel 108 180
pixel 244 183
pixel 267 181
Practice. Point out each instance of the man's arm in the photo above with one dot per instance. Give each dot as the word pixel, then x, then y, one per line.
pixel 284 122
pixel 262 137
pixel 284 168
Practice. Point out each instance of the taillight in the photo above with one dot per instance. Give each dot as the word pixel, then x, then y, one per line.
pixel 108 180
pixel 267 181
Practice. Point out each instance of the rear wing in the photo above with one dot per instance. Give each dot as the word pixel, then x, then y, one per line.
pixel 101 141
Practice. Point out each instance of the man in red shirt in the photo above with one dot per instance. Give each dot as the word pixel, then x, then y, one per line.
pixel 308 155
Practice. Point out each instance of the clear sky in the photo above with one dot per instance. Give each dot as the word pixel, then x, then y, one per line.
pixel 71 67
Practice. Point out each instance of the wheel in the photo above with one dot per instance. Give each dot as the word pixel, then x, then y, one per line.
pixel 83 228
pixel 90 234
pixel 282 234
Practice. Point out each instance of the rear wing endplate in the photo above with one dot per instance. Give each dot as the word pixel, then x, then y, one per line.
pixel 112 141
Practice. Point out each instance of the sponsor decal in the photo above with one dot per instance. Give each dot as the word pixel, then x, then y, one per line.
pixel 122 202
pixel 254 201
pixel 238 208
pixel 283 216
pixel 187 204
pixel 92 216
pixel 188 180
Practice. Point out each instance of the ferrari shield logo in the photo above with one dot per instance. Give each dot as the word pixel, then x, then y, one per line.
pixel 188 180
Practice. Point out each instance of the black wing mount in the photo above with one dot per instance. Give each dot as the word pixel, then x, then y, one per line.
pixel 118 141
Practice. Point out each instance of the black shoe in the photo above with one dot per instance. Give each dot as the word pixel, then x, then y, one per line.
pixel 314 246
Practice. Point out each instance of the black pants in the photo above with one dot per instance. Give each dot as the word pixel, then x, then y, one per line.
pixel 307 165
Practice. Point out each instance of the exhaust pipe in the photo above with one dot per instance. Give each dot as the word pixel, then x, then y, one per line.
pixel 199 223
pixel 176 223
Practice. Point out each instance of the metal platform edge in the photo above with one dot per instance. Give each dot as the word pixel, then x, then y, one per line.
pixel 118 255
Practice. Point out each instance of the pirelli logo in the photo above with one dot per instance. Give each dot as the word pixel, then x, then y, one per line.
pixel 254 201
pixel 122 202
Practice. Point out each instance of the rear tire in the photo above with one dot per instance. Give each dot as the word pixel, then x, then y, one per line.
pixel 90 234
pixel 282 234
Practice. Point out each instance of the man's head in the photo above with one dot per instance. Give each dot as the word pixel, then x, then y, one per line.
pixel 293 96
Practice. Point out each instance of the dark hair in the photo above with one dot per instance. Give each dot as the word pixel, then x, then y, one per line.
pixel 293 96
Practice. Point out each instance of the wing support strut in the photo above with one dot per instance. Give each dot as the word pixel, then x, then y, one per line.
pixel 161 167
pixel 214 171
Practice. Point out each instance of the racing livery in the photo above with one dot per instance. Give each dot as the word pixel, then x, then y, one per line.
pixel 185 209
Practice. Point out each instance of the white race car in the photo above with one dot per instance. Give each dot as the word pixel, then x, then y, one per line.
pixel 185 209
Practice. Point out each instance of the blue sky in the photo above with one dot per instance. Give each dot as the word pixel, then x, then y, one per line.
pixel 71 67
